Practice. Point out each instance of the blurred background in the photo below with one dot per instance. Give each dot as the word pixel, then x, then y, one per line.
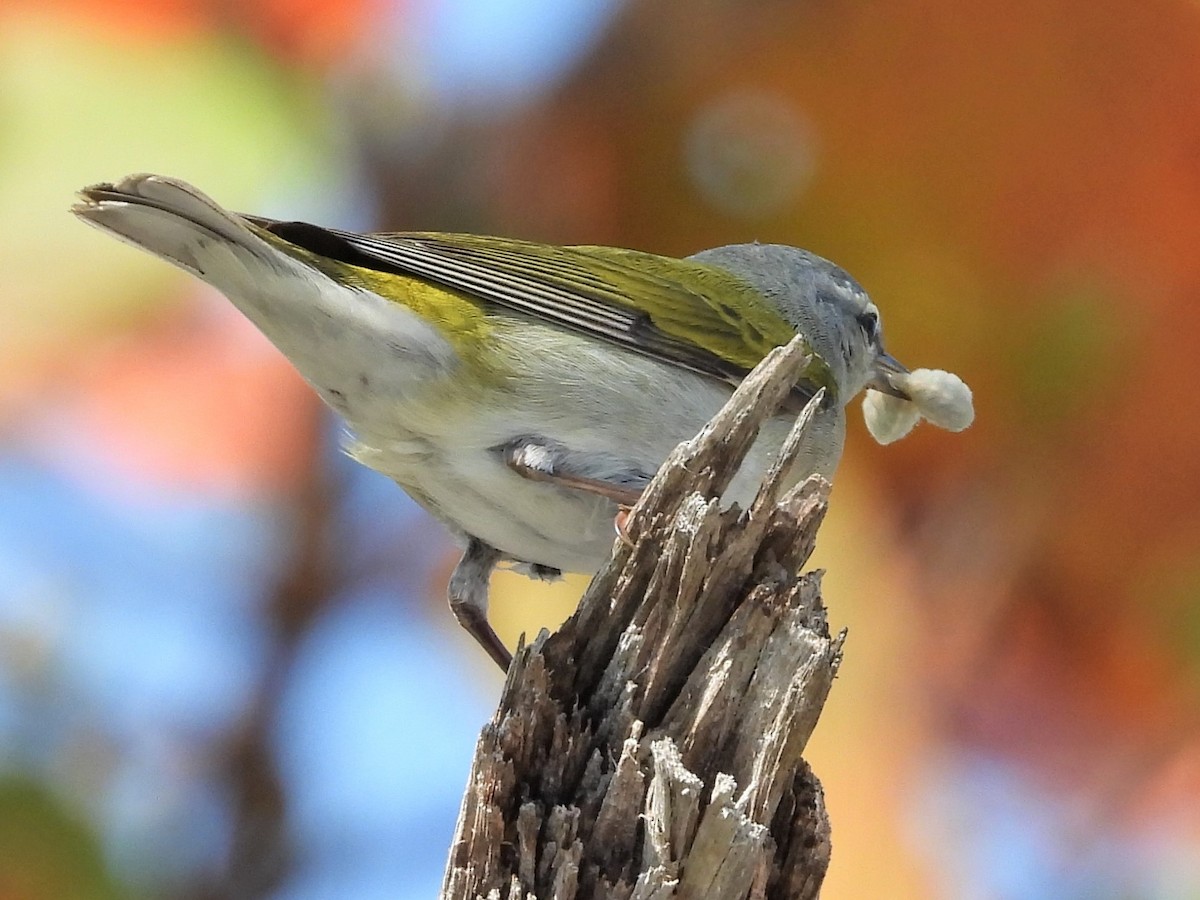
pixel 226 666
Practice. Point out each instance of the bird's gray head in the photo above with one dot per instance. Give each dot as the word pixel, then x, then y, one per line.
pixel 822 301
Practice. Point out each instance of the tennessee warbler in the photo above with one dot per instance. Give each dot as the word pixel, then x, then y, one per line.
pixel 521 392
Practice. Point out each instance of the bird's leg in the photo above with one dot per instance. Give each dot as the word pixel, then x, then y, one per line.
pixel 541 460
pixel 469 598
pixel 549 462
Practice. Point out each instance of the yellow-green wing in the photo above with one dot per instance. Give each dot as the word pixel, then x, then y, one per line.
pixel 681 312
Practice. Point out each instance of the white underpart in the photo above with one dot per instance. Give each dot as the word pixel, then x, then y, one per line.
pixel 616 412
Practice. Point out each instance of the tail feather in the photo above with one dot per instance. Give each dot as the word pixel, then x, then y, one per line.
pixel 340 337
pixel 173 220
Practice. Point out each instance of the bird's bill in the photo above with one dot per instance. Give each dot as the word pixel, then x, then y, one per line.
pixel 887 367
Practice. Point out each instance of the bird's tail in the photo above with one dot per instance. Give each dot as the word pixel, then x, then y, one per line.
pixel 171 219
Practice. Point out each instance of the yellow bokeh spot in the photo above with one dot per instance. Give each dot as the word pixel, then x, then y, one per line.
pixel 519 605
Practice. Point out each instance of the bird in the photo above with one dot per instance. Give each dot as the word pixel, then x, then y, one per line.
pixel 524 393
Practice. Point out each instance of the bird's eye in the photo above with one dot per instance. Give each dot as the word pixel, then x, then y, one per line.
pixel 869 323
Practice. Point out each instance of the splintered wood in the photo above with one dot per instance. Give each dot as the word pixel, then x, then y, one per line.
pixel 651 748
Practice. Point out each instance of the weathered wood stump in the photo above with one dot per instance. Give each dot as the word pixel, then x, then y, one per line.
pixel 651 748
